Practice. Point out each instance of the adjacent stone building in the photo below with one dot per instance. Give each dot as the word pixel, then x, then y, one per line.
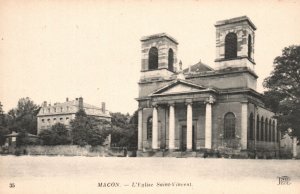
pixel 201 109
pixel 65 112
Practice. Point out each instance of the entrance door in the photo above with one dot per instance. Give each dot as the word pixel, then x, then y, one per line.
pixel 183 138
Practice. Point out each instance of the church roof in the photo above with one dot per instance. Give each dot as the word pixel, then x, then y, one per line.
pixel 235 20
pixel 160 35
pixel 197 68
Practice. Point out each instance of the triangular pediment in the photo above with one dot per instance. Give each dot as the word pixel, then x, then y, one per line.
pixel 179 87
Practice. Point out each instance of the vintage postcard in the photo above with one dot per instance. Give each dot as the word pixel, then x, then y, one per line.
pixel 196 96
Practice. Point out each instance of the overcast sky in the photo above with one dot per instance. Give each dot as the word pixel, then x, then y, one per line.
pixel 50 50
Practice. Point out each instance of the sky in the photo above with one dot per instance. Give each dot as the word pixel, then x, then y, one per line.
pixel 50 50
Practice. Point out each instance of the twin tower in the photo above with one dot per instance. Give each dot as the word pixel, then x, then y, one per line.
pixel 234 48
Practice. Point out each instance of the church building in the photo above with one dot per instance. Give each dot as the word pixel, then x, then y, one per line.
pixel 200 109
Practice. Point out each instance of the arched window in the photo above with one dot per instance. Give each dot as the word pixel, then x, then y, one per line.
pixel 170 60
pixel 251 127
pixel 230 46
pixel 262 131
pixel 249 46
pixel 257 127
pixel 149 128
pixel 229 126
pixel 153 58
pixel 266 129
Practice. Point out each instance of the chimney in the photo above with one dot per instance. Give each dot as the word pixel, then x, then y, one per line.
pixel 103 107
pixel 67 99
pixel 45 103
pixel 80 104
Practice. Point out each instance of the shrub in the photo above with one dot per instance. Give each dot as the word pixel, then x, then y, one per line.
pixel 57 135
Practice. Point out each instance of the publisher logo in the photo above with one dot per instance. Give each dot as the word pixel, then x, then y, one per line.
pixel 284 180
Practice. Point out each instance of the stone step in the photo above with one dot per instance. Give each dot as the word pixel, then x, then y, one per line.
pixel 188 154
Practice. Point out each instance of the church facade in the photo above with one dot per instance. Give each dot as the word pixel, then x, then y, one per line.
pixel 200 109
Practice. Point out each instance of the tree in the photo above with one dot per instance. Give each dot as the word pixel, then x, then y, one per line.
pixel 97 134
pixel 3 132
pixel 120 120
pixel 2 116
pixel 24 116
pixel 89 130
pixel 124 129
pixel 283 95
pixel 57 135
pixel 3 126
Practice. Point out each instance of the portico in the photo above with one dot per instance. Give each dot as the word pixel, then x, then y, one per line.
pixel 188 117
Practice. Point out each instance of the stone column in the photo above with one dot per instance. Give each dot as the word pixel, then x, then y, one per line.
pixel 171 126
pixel 276 134
pixel 154 129
pixel 189 127
pixel 140 129
pixel 208 122
pixel 294 147
pixel 255 129
pixel 244 119
pixel 271 131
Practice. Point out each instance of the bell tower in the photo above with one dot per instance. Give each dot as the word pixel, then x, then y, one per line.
pixel 235 43
pixel 159 56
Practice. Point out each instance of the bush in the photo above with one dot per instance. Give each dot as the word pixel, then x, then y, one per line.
pixel 57 135
pixel 23 139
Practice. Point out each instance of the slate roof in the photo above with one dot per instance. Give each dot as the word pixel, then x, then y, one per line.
pixel 71 107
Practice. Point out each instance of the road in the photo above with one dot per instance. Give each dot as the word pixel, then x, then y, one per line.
pixel 46 174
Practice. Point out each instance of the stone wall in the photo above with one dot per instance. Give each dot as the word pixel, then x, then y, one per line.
pixel 234 78
pixel 219 110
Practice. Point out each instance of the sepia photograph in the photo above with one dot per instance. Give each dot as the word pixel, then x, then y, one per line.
pixel 150 96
